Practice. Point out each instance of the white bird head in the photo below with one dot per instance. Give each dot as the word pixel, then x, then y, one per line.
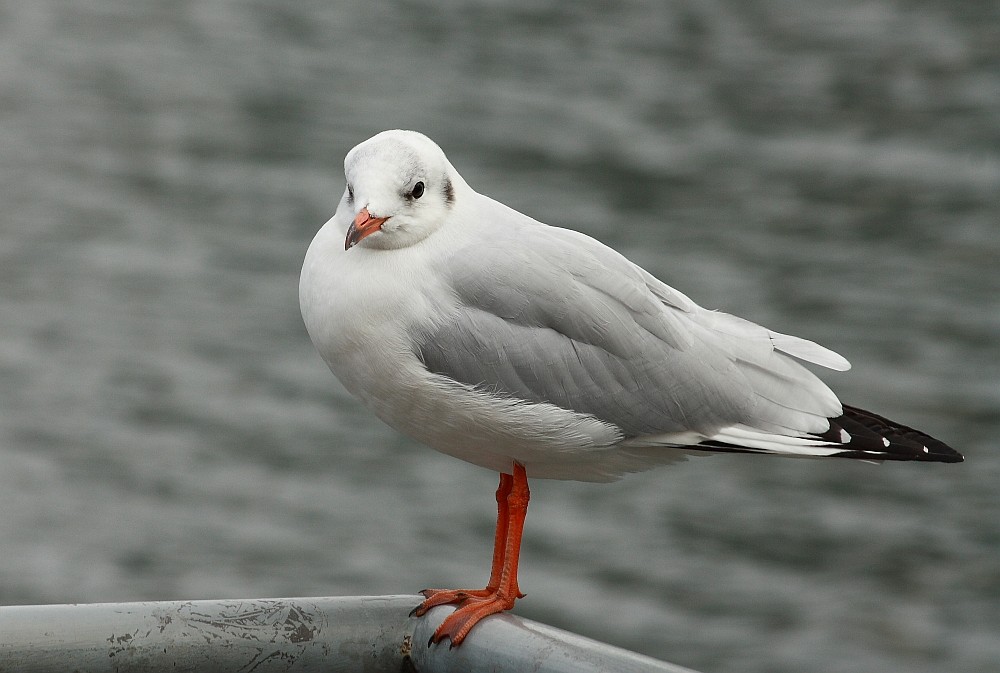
pixel 400 188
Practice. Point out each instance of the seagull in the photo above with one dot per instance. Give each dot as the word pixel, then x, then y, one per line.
pixel 533 350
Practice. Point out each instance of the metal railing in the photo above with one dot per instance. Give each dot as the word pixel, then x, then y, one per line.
pixel 262 635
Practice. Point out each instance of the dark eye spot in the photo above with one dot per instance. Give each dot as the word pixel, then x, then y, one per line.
pixel 350 192
pixel 417 191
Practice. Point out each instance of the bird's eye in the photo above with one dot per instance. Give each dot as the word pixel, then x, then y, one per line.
pixel 417 191
pixel 350 192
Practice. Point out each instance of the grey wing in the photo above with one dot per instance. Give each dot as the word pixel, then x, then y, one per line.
pixel 572 323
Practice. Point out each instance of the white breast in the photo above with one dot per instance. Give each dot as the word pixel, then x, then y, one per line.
pixel 365 330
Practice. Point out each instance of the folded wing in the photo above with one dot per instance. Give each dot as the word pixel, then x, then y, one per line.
pixel 573 323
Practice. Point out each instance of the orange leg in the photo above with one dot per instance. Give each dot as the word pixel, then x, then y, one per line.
pixel 502 590
pixel 437 597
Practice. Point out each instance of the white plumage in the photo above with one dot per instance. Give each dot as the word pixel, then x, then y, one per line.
pixel 497 339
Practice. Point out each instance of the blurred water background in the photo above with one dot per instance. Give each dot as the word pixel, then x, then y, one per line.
pixel 827 169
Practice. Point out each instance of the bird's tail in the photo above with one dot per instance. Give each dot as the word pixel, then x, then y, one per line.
pixel 855 434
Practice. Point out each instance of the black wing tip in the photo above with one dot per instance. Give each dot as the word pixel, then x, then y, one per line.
pixel 873 437
pixel 879 457
pixel 929 457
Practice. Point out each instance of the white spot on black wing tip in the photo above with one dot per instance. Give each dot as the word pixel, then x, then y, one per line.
pixel 876 436
pixel 845 436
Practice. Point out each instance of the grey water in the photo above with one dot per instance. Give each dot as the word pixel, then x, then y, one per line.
pixel 831 170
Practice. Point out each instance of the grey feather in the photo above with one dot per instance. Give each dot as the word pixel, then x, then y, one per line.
pixel 572 323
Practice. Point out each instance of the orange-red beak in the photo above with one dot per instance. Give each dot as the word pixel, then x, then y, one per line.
pixel 363 225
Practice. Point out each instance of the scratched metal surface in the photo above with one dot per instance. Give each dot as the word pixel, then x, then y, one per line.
pixel 372 634
pixel 255 635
